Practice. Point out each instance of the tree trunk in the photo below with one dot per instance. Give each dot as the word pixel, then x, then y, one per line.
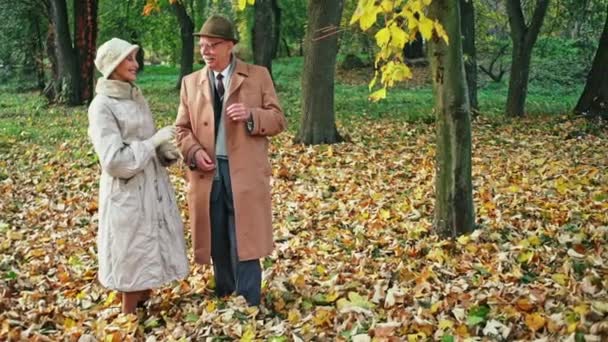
pixel 67 85
pixel 85 28
pixel 187 37
pixel 318 125
pixel 276 10
pixel 594 99
pixel 467 15
pixel 50 89
pixel 286 47
pixel 454 213
pixel 523 38
pixel 263 32
pixel 39 51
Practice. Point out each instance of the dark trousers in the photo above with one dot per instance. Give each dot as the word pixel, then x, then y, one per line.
pixel 244 277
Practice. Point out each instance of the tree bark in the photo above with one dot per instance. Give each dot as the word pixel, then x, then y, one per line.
pixel 186 34
pixel 318 125
pixel 50 89
pixel 263 32
pixel 523 37
pixel 594 99
pixel 454 213
pixel 276 10
pixel 39 50
pixel 67 85
pixel 467 15
pixel 85 28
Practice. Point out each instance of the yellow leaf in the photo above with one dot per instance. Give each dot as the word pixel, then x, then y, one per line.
pixel 426 27
pixel 560 278
pixel 437 254
pixel 294 316
pixel 445 324
pixel 332 296
pixel 322 317
pixel 320 269
pixel 378 95
pixel 298 280
pixel 581 309
pixel 387 5
pixel 248 335
pixel 398 37
pixel 37 252
pixel 412 22
pixel 514 188
pixel 242 4
pixel 463 239
pixel 472 248
pixel 81 295
pixel 534 241
pixel 401 72
pixel 441 32
pixel 416 337
pixel 415 5
pixel 382 37
pixel 572 327
pixel 68 323
pixel 210 307
pixel 368 18
pixel 435 307
pixel 14 235
pixel 358 11
pixel 372 83
pixel 428 2
pixel 385 214
pixel 110 299
pixel 535 321
pixel 359 301
pixel 525 257
pixel 561 186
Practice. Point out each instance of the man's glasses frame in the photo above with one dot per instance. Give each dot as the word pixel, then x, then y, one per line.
pixel 210 46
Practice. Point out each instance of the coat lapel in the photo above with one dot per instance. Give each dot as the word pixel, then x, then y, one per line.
pixel 238 76
pixel 204 85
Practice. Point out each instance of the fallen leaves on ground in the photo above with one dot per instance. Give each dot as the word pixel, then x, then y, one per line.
pixel 356 258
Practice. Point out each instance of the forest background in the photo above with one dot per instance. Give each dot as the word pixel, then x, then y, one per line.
pixel 358 200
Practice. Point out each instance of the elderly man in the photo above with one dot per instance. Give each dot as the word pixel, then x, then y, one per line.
pixel 227 112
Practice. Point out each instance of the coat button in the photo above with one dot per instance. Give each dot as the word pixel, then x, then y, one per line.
pixel 205 123
pixel 263 130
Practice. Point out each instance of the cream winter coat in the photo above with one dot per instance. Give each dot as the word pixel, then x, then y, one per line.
pixel 140 241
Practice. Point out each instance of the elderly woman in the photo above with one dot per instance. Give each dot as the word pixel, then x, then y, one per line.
pixel 140 241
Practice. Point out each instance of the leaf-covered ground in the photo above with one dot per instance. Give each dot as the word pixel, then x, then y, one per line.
pixel 355 257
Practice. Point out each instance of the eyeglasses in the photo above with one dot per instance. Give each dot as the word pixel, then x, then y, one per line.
pixel 210 46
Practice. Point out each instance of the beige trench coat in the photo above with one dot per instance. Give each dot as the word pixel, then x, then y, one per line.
pixel 140 240
pixel 247 154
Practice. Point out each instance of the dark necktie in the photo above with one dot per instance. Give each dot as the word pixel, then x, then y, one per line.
pixel 220 85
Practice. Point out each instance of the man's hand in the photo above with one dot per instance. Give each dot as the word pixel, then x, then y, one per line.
pixel 237 112
pixel 203 162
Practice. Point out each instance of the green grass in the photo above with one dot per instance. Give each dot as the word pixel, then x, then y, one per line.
pixel 25 116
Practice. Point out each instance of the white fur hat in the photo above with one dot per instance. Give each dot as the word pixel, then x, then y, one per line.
pixel 111 53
